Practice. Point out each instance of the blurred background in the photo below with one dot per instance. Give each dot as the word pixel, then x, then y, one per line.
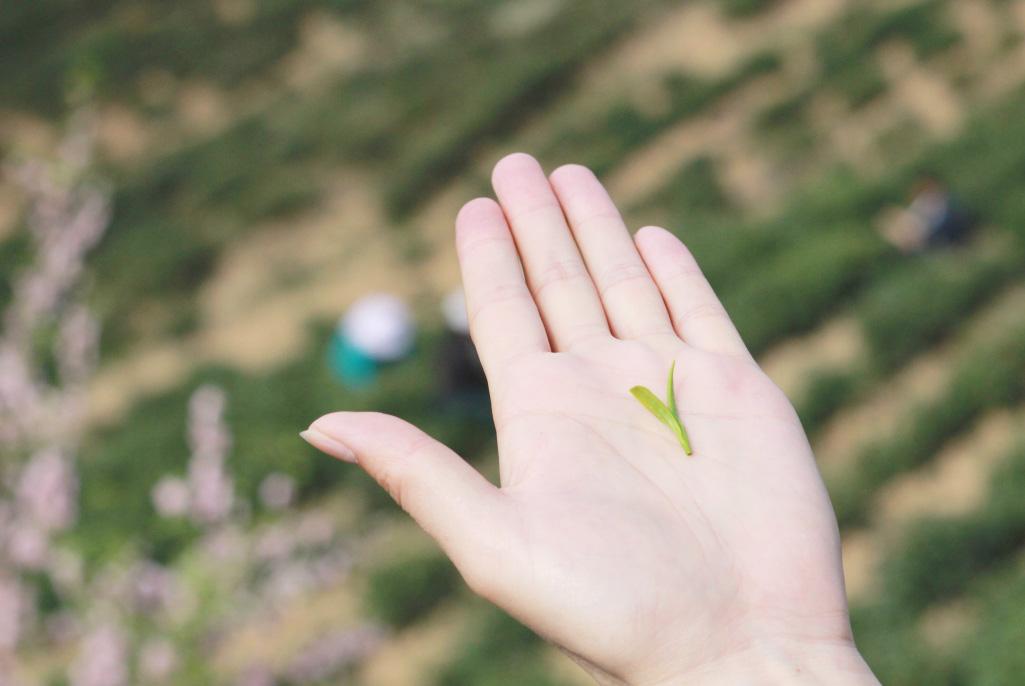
pixel 220 219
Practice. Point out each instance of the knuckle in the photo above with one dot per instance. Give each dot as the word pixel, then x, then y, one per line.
pixel 394 479
pixel 623 273
pixel 397 476
pixel 559 272
pixel 704 310
pixel 484 241
pixel 497 295
pixel 598 220
pixel 543 211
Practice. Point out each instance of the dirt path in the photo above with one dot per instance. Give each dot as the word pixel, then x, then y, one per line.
pixel 697 39
pixel 646 169
pixel 340 250
pixel 416 651
pixel 841 441
pixel 955 482
pixel 749 177
pixel 979 25
pixel 921 91
pixel 249 318
pixel 693 38
pixel 837 343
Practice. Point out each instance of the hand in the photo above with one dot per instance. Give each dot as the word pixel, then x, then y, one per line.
pixel 648 566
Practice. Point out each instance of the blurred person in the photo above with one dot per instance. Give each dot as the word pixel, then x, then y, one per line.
pixel 647 566
pixel 377 329
pixel 934 218
pixel 463 387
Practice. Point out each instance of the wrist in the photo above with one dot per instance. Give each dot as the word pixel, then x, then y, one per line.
pixel 778 662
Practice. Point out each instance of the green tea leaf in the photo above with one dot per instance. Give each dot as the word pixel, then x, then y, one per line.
pixel 653 405
pixel 681 432
pixel 671 392
pixel 656 407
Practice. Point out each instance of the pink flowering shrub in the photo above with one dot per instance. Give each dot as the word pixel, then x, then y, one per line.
pixel 206 494
pixel 41 414
pixel 130 619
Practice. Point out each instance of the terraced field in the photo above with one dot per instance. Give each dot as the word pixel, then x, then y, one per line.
pixel 271 161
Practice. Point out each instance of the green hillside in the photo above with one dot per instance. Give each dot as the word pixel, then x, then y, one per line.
pixel 235 134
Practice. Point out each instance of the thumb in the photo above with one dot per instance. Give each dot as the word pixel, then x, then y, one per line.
pixel 448 498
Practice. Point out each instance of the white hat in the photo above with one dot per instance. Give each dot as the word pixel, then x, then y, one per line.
pixel 380 326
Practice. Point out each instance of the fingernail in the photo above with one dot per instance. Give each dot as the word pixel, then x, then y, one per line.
pixel 327 444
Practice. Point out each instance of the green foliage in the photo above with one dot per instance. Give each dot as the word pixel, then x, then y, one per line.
pixel 664 412
pixel 863 29
pixel 846 51
pixel 986 165
pixel 891 644
pixel 497 650
pixel 693 191
pixel 418 116
pixel 406 589
pixel 994 656
pixel 908 309
pixel 940 557
pixel 827 391
pixel 46 44
pixel 786 112
pixel 602 140
pixel 789 293
pixel 531 75
pixel 991 375
pixel 745 8
pixel 121 464
pixel 860 83
pixel 972 557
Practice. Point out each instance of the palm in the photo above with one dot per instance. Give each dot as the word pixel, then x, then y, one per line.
pixel 604 536
pixel 677 542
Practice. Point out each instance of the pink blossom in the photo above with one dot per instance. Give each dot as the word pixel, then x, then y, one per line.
pixel 65 567
pixel 14 609
pixel 154 587
pixel 170 496
pixel 212 490
pixel 208 437
pixel 67 216
pixel 274 542
pixel 288 580
pixel 226 543
pixel 66 222
pixel 256 675
pixel 27 547
pixel 209 483
pixel 47 490
pixel 102 659
pixel 21 397
pixel 277 491
pixel 329 655
pixel 157 660
pixel 315 529
pixel 77 345
pixel 63 627
pixel 41 418
pixel 332 568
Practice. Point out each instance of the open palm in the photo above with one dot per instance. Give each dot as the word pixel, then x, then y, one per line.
pixel 648 566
